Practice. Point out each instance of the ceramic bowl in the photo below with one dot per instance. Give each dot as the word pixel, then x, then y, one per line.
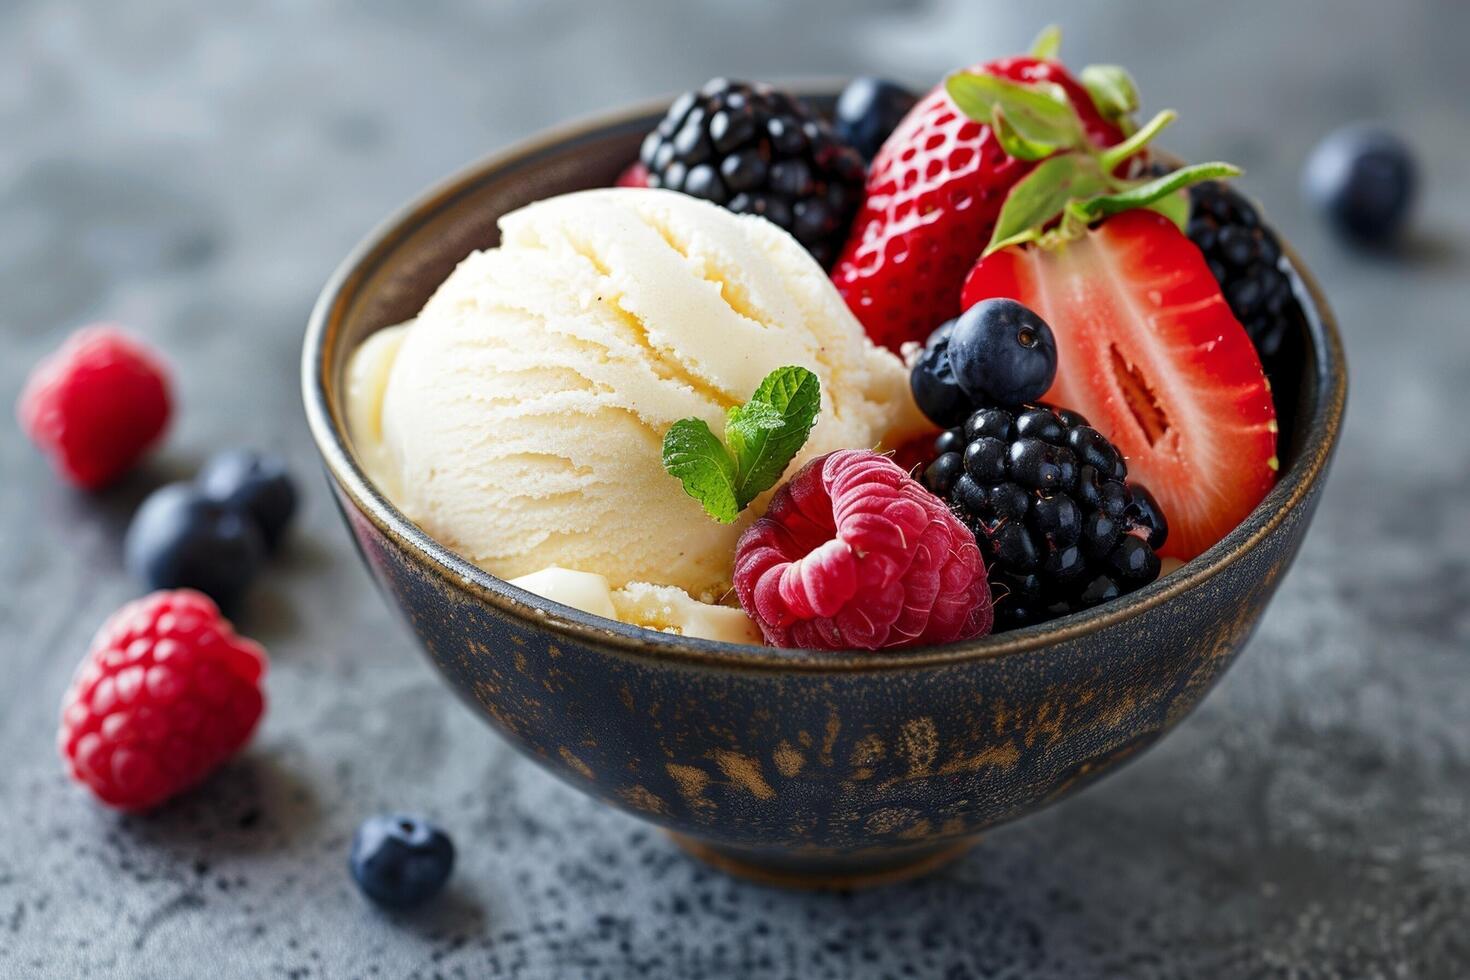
pixel 793 765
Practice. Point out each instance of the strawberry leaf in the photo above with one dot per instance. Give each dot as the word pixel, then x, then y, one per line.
pixel 1048 43
pixel 1041 195
pixel 1153 192
pixel 1175 207
pixel 1113 93
pixel 1039 112
pixel 1014 143
pixel 693 455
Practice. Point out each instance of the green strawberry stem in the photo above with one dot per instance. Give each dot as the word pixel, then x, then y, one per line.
pixel 1048 43
pixel 1075 182
pixel 1113 156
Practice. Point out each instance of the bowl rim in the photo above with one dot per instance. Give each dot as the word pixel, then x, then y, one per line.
pixel 1320 425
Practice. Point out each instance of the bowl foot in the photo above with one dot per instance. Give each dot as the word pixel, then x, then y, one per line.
pixel 824 873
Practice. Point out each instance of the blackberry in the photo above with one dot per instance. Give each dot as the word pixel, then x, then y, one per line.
pixel 755 150
pixel 1245 258
pixel 1047 498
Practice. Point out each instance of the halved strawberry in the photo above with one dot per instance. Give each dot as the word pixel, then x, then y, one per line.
pixel 932 196
pixel 1149 352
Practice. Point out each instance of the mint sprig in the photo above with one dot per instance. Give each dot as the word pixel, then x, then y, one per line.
pixel 761 438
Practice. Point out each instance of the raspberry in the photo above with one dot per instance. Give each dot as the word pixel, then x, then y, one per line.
pixel 634 175
pixel 853 553
pixel 95 405
pixel 166 694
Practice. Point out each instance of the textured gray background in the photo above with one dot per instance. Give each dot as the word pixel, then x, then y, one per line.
pixel 196 169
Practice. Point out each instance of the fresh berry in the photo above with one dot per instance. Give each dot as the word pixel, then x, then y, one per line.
pixel 933 194
pixel 868 110
pixel 1046 498
pixel 755 150
pixel 255 483
pixel 180 538
pixel 1244 256
pixel 931 379
pixel 1149 350
pixel 1002 353
pixel 1365 179
pixel 854 554
pixel 96 405
pixel 400 861
pixel 166 694
pixel 635 175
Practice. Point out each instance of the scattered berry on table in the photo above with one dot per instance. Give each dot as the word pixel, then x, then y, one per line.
pixel 868 110
pixel 852 553
pixel 256 483
pixel 1046 497
pixel 166 693
pixel 96 405
pixel 1244 256
pixel 1001 353
pixel 1365 179
pixel 400 861
pixel 181 538
pixel 932 196
pixel 1149 350
pixel 756 150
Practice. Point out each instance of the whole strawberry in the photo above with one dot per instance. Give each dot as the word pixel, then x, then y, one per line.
pixel 167 693
pixel 96 405
pixel 854 554
pixel 933 194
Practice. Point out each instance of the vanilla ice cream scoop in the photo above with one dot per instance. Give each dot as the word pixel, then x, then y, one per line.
pixel 520 418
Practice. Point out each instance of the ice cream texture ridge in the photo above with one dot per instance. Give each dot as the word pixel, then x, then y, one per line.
pixel 519 418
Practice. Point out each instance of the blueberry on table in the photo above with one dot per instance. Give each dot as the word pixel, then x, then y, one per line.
pixel 1002 353
pixel 181 539
pixel 868 110
pixel 400 861
pixel 256 483
pixel 1365 179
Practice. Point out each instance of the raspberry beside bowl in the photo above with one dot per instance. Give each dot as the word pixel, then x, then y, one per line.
pixel 799 766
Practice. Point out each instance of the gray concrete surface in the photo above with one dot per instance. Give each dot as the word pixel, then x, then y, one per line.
pixel 195 170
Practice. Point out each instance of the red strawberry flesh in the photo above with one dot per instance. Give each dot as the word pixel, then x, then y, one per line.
pixel 1149 352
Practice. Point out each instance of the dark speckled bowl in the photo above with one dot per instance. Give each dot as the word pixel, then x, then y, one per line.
pixel 792 765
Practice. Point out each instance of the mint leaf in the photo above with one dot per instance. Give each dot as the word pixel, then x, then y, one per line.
pixel 762 451
pixel 1041 195
pixel 1113 91
pixel 1153 192
pixel 1048 43
pixel 762 437
pixel 699 461
pixel 1039 112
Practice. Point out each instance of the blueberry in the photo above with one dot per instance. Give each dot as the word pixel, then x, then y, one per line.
pixel 400 861
pixel 868 110
pixel 1002 354
pixel 1364 178
pixel 933 383
pixel 257 484
pixel 181 538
